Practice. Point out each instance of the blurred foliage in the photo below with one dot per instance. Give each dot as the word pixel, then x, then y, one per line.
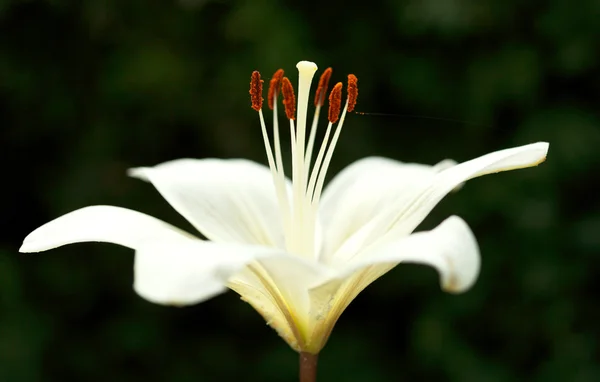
pixel 91 88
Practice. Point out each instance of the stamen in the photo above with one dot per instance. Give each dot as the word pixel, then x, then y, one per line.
pixel 335 103
pixel 274 85
pixel 289 100
pixel 317 167
pixel 256 85
pixel 352 91
pixel 323 85
pixel 319 101
pixel 352 94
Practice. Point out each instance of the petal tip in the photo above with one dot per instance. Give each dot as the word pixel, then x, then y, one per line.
pixel 542 150
pixel 464 270
pixel 31 242
pixel 543 147
pixel 453 286
pixel 138 172
pixel 26 248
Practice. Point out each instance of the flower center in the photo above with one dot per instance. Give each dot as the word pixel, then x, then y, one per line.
pixel 299 205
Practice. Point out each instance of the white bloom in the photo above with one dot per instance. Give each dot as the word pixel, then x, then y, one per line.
pixel 299 256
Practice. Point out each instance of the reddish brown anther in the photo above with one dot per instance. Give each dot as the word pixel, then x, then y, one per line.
pixel 274 85
pixel 335 103
pixel 256 85
pixel 352 91
pixel 322 88
pixel 289 99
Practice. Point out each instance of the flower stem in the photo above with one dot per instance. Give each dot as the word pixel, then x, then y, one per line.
pixel 308 367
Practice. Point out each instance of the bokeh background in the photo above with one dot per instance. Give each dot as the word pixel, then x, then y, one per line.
pixel 91 88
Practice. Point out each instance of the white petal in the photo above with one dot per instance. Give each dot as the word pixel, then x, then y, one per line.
pixel 401 216
pixel 450 248
pixel 364 189
pixel 226 200
pixel 409 216
pixel 104 224
pixel 294 276
pixel 277 287
pixel 191 271
pixel 252 290
pixel 188 272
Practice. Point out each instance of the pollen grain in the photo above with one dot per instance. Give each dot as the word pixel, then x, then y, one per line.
pixel 335 103
pixel 274 86
pixel 256 85
pixel 352 91
pixel 322 88
pixel 289 99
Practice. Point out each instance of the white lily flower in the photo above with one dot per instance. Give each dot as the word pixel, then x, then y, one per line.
pixel 295 252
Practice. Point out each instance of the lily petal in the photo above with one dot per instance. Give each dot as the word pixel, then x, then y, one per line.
pixel 293 276
pixel 251 287
pixel 364 189
pixel 277 287
pixel 275 283
pixel 230 201
pixel 451 248
pixel 401 217
pixel 187 272
pixel 103 224
pixel 412 214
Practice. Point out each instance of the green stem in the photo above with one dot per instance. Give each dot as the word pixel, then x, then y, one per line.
pixel 308 367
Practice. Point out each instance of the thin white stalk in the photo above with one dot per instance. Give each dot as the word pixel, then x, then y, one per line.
pixel 281 171
pixel 278 182
pixel 316 169
pixel 311 140
pixel 323 171
pixel 296 191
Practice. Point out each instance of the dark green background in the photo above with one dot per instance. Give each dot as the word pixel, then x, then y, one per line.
pixel 92 88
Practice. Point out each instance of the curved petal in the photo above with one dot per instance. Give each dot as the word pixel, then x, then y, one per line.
pixel 227 200
pixel 186 272
pixel 277 287
pixel 251 288
pixel 365 188
pixel 274 283
pixel 293 277
pixel 403 215
pixel 451 248
pixel 412 214
pixel 103 224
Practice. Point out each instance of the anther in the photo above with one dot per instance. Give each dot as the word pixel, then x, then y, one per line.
pixel 335 103
pixel 274 85
pixel 322 88
pixel 289 100
pixel 352 91
pixel 256 85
